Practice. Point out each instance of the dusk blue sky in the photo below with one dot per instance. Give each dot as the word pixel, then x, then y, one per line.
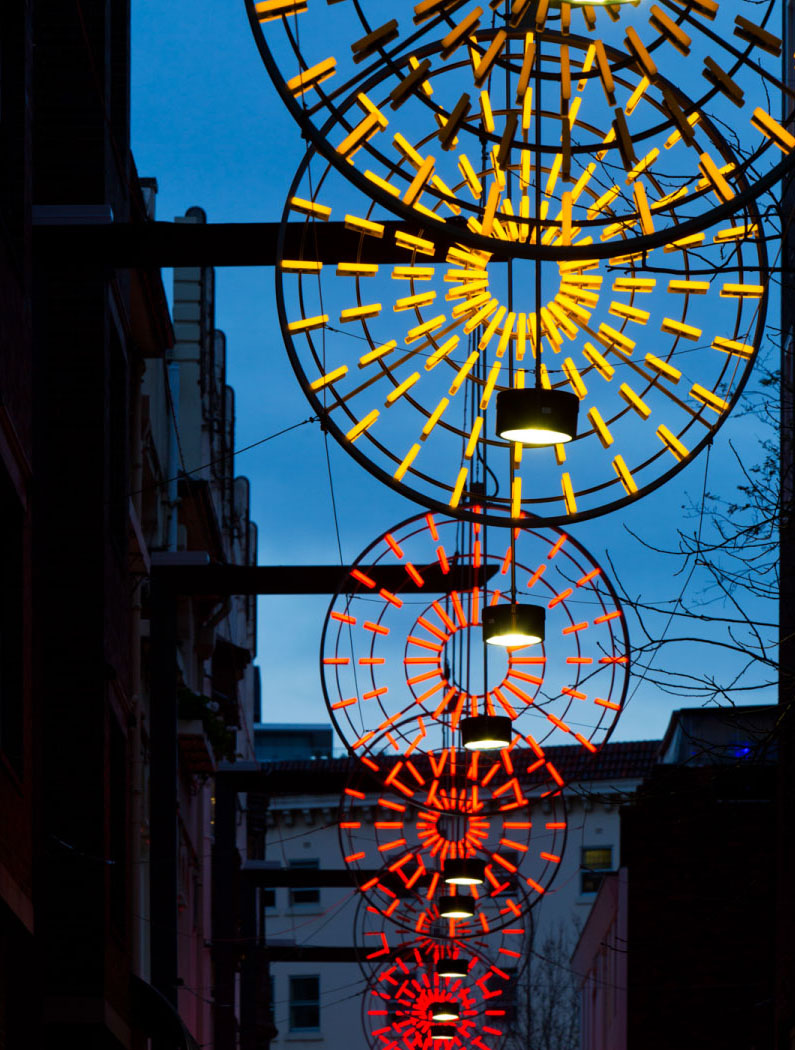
pixel 207 123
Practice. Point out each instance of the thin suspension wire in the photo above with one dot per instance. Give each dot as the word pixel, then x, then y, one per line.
pixel 228 455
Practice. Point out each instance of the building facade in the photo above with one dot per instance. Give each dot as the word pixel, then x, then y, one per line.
pixel 190 516
pixel 679 948
pixel 17 755
pixel 107 408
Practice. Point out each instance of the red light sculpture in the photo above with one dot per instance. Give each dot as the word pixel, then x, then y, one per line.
pixel 399 1003
pixel 483 809
pixel 401 669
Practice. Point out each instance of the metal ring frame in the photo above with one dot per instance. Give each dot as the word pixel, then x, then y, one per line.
pixel 478 128
pixel 333 390
pixel 580 675
pixel 489 809
pixel 396 1006
pixel 389 62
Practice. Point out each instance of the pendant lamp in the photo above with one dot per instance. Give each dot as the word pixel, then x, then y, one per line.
pixel 456 907
pixel 465 871
pixel 486 732
pixel 514 624
pixel 535 416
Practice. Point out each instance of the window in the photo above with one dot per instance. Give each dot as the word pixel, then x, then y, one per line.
pixel 300 895
pixel 268 898
pixel 304 1004
pixel 596 862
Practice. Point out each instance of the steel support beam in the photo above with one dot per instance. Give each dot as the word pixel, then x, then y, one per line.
pixel 311 953
pixel 303 878
pixel 158 244
pixel 311 579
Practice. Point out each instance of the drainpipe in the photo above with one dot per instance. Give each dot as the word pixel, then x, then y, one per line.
pixel 172 378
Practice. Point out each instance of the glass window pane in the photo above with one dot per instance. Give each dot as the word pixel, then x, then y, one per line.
pixel 304 1003
pixel 595 862
pixel 304 895
pixel 304 988
pixel 590 881
pixel 304 1016
pixel 597 857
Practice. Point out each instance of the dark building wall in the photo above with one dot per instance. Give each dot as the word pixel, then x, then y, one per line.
pixel 83 362
pixel 17 917
pixel 15 211
pixel 699 848
pixel 80 946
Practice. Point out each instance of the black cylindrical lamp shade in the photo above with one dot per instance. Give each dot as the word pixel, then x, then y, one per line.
pixel 465 871
pixel 456 907
pixel 534 416
pixel 442 1011
pixel 486 732
pixel 442 1031
pixel 514 624
pixel 452 968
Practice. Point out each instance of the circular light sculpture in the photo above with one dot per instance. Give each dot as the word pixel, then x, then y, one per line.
pixel 465 813
pixel 537 417
pixel 456 907
pixel 465 872
pixel 514 624
pixel 485 733
pixel 398 1005
pixel 450 968
pixel 442 1011
pixel 395 669
pixel 657 362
